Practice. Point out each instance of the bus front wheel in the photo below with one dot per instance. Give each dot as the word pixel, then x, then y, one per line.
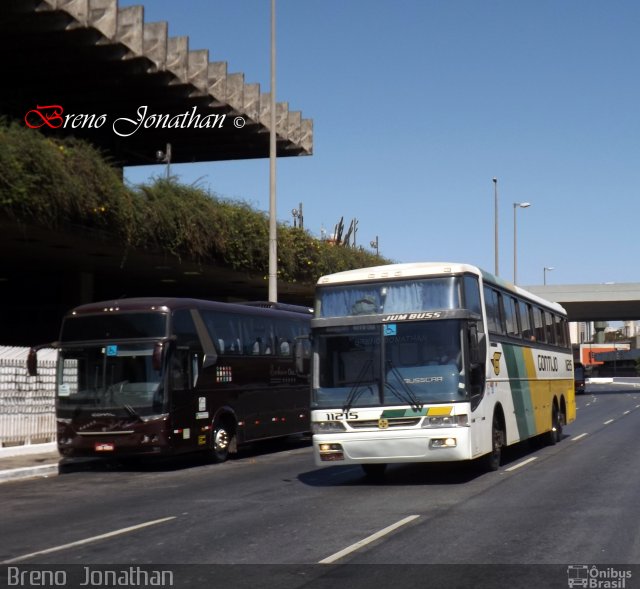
pixel 494 458
pixel 374 472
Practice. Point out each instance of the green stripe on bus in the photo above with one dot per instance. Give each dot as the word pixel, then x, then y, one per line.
pixel 520 391
pixel 391 413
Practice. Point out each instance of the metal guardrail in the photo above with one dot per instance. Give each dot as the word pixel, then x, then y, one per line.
pixel 27 403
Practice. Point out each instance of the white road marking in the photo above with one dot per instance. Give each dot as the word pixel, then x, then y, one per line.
pixel 368 540
pixel 608 421
pixel 520 464
pixel 578 437
pixel 89 540
pixel 626 413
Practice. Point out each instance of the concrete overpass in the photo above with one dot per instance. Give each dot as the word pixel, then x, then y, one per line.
pixel 594 302
pixel 93 59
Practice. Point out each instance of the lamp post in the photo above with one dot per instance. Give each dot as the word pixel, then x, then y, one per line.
pixel 164 157
pixel 516 205
pixel 298 216
pixel 544 277
pixel 273 237
pixel 495 223
pixel 374 244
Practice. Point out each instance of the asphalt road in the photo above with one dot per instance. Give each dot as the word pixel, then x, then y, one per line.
pixel 575 503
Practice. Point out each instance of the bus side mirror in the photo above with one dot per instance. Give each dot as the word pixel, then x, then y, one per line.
pixel 477 345
pixel 32 362
pixel 156 358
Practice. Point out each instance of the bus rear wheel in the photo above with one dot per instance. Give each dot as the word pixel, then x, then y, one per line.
pixel 557 419
pixel 220 441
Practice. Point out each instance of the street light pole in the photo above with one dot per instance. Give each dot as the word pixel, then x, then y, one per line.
pixel 273 238
pixel 495 223
pixel 544 276
pixel 516 205
pixel 374 244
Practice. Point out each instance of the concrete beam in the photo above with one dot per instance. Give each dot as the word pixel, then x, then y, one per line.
pixel 198 69
pixel 282 119
pixel 178 58
pixel 235 91
pixel 155 36
pixel 306 140
pixel 295 132
pixel 251 105
pixel 103 16
pixel 217 77
pixel 130 28
pixel 78 9
pixel 594 302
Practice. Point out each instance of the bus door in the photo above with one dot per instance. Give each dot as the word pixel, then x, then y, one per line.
pixel 190 411
pixel 480 383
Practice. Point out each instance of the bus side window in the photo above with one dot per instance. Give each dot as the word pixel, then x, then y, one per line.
pixel 559 325
pixel 538 324
pixel 286 332
pixel 510 316
pixel 502 326
pixel 548 328
pixel 525 320
pixel 494 316
pixel 472 294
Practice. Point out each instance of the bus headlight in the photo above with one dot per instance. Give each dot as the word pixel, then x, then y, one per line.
pixel 446 421
pixel 327 427
pixel 436 443
pixel 331 452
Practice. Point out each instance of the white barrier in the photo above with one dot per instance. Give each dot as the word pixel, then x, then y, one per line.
pixel 27 403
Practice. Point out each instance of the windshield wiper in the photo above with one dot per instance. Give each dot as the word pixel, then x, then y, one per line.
pixel 406 394
pixel 131 411
pixel 358 388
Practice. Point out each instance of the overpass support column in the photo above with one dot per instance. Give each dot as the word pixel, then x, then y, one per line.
pixel 599 327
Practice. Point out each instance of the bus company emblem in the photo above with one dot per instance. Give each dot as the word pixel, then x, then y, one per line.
pixel 496 362
pixel 383 423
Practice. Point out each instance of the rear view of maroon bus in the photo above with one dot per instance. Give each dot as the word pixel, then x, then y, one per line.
pixel 154 377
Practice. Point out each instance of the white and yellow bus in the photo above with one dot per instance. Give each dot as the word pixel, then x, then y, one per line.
pixel 434 362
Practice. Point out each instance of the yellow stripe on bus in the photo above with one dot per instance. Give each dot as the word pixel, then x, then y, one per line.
pixel 439 410
pixel 539 391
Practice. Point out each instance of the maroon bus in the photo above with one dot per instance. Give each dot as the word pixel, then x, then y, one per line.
pixel 168 376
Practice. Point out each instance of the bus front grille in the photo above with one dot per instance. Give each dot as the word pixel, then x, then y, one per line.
pixel 390 423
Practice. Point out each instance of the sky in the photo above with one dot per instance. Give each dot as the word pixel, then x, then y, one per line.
pixel 418 104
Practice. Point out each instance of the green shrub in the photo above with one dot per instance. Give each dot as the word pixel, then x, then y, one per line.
pixel 62 183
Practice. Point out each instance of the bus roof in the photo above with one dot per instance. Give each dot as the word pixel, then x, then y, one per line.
pixel 172 303
pixel 424 269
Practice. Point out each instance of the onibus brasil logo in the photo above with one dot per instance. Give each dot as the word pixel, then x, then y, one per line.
pixel 593 577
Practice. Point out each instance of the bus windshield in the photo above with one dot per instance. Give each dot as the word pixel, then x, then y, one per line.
pixel 114 377
pixel 404 363
pixel 108 326
pixel 389 297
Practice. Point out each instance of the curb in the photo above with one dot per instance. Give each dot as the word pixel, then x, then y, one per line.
pixel 44 470
pixel 26 449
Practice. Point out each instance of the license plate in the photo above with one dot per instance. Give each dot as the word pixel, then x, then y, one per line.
pixel 104 447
